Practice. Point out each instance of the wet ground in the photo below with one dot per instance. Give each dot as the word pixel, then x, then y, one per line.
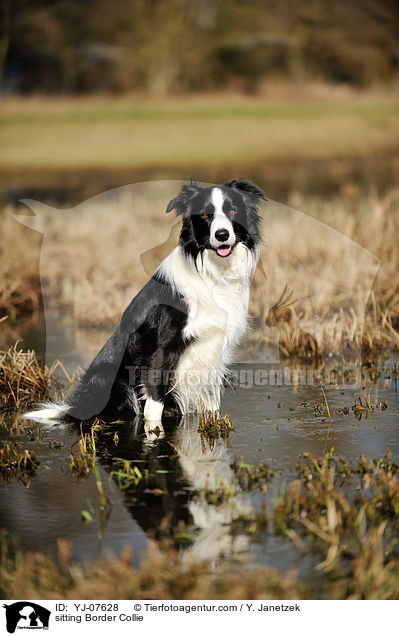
pixel 273 423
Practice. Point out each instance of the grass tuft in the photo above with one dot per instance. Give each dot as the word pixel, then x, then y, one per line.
pixel 24 380
pixel 212 427
pixel 82 462
pixel 14 462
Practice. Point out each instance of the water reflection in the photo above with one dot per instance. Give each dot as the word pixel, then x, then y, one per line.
pixel 274 423
pixel 169 501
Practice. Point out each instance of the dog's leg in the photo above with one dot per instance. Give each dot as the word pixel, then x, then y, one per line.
pixel 153 410
pixel 153 420
pixel 212 405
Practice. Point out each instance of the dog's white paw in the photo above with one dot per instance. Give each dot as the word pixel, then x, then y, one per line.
pixel 153 410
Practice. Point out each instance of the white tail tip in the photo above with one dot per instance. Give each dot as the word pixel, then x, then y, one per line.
pixel 50 411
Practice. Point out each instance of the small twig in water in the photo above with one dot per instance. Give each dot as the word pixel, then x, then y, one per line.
pixel 329 419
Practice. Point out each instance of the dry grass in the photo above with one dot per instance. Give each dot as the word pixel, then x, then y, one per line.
pixel 19 272
pixel 354 534
pixel 344 298
pixel 314 292
pixel 93 259
pixel 161 576
pixel 23 379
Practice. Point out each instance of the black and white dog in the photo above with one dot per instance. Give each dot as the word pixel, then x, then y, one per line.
pixel 169 353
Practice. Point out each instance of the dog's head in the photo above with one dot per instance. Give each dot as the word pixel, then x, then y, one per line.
pixel 218 218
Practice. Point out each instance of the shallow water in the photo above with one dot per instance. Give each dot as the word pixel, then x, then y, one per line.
pixel 272 423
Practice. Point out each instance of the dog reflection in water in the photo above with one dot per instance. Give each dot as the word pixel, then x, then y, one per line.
pixel 207 469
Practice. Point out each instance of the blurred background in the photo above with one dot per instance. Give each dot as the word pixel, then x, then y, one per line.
pixel 300 97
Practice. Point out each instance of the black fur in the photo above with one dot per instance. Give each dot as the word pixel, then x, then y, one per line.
pixel 147 339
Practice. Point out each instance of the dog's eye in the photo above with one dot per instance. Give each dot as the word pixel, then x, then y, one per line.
pixel 205 216
pixel 232 212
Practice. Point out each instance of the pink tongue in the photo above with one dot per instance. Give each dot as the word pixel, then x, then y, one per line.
pixel 223 251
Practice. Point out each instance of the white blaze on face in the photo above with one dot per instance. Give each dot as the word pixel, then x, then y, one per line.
pixel 220 222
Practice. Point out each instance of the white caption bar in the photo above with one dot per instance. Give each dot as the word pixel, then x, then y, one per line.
pixel 176 617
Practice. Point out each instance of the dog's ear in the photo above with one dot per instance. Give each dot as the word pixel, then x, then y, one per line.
pixel 246 187
pixel 186 194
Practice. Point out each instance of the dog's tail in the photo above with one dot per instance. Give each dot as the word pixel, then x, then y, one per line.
pixel 49 411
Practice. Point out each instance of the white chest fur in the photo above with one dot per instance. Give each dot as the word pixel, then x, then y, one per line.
pixel 217 297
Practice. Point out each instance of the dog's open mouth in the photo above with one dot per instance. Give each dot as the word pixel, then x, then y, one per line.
pixel 225 250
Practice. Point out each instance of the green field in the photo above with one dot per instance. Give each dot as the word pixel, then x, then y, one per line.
pixel 204 131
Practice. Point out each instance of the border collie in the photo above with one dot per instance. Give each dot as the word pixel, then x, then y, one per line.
pixel 169 353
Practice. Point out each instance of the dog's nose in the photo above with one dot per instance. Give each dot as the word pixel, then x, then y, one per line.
pixel 222 235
